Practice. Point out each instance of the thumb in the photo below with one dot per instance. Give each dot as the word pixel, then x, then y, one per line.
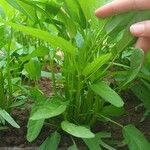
pixel 143 43
pixel 141 29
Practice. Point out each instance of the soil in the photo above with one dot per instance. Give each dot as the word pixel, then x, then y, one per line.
pixel 17 137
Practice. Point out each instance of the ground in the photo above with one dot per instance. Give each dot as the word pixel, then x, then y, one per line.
pixel 17 137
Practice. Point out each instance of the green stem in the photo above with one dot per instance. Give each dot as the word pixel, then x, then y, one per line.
pixel 2 95
pixel 8 69
pixel 52 68
pixel 110 120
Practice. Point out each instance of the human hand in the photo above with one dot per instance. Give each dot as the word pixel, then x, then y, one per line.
pixel 141 29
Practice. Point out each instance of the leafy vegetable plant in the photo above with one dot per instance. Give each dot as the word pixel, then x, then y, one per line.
pixel 82 92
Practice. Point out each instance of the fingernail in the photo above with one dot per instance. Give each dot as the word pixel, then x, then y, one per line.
pixel 137 29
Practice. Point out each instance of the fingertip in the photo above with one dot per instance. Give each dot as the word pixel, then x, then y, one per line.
pixel 101 14
pixel 97 12
pixel 137 29
pixel 143 43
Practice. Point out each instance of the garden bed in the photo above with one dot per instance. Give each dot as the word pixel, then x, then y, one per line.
pixel 17 137
pixel 62 72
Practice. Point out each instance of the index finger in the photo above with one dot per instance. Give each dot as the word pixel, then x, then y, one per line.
pixel 120 6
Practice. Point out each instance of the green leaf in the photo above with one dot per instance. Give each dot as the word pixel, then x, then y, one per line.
pixel 92 67
pixel 135 139
pixel 121 22
pixel 107 94
pixel 2 90
pixel 112 111
pixel 24 8
pixel 48 109
pixel 75 12
pixel 137 59
pixel 8 118
pixel 106 146
pixel 39 52
pixel 77 131
pixel 37 95
pixel 73 147
pixel 69 24
pixel 33 68
pixel 143 93
pixel 93 143
pixel 51 142
pixel 55 41
pixel 118 23
pixel 34 128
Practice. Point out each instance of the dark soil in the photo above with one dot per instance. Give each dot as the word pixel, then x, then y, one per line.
pixel 17 137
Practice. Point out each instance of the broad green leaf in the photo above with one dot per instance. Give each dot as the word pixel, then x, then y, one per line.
pixel 34 128
pixel 48 109
pixel 77 131
pixel 108 94
pixel 137 59
pixel 51 142
pixel 33 68
pixel 55 41
pixel 135 139
pixel 8 118
pixel 97 63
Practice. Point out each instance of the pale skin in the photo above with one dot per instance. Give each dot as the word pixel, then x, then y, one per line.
pixel 141 29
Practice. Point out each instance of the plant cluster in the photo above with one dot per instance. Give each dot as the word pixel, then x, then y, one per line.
pixel 90 62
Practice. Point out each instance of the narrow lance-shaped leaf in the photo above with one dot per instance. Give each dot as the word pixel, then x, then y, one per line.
pixel 25 9
pixel 122 22
pixel 8 118
pixel 96 64
pixel 108 94
pixel 55 41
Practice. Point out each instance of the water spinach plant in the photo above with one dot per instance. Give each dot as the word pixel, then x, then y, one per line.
pixel 90 52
